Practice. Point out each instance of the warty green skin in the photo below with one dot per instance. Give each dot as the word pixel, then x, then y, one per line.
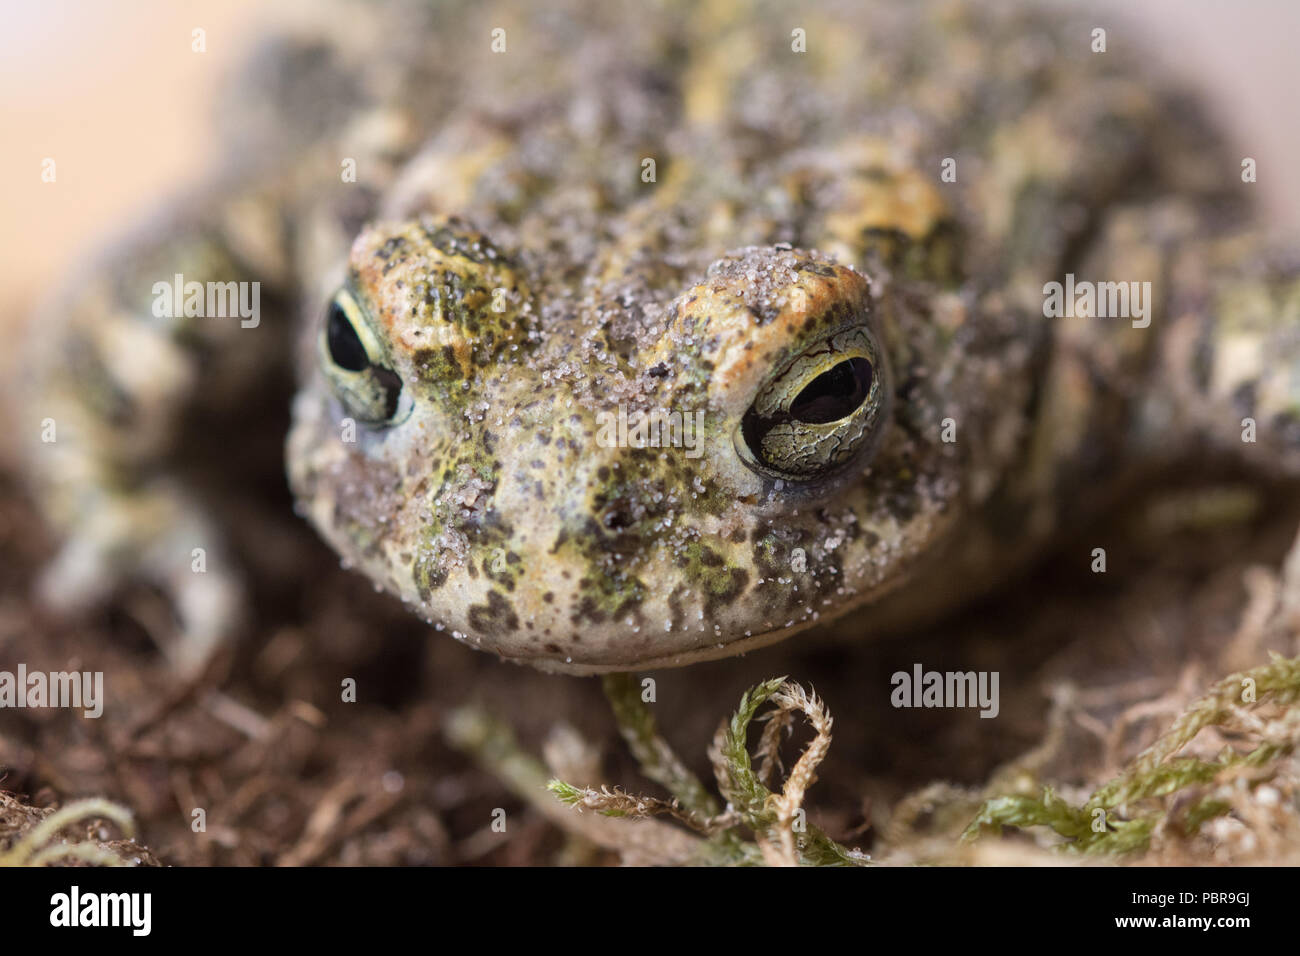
pixel 519 277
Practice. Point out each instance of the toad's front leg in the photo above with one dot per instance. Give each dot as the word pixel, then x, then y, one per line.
pixel 118 365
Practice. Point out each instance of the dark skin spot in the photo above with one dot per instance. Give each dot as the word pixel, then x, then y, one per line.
pixel 710 558
pixel 448 240
pixel 816 268
pixel 428 579
pixel 391 246
pixel 494 617
pixel 739 580
pixel 587 610
pixel 441 362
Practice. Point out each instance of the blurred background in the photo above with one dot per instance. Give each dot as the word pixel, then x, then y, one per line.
pixel 114 94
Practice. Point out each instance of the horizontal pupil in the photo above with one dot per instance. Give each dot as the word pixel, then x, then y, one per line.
pixel 345 347
pixel 834 394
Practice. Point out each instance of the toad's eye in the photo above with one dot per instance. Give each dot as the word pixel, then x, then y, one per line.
pixel 345 346
pixel 353 360
pixel 823 411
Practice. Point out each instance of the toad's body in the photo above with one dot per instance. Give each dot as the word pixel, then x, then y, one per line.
pixel 819 239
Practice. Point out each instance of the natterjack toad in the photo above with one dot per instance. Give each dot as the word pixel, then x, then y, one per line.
pixel 634 335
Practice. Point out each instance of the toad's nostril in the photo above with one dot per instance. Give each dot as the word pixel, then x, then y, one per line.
pixel 616 519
